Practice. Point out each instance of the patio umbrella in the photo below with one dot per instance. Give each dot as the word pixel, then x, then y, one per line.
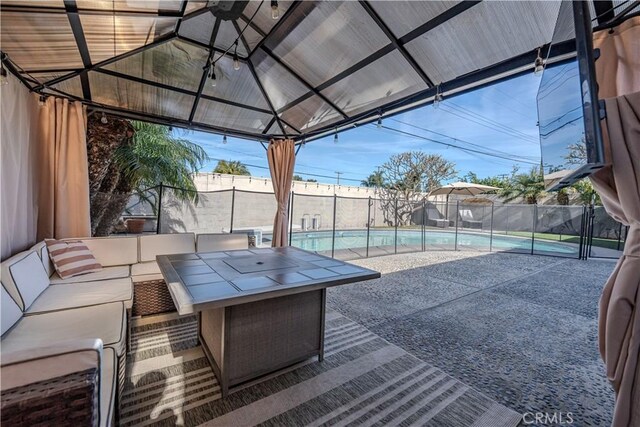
pixel 460 189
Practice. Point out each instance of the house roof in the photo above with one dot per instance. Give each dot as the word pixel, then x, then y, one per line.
pixel 322 66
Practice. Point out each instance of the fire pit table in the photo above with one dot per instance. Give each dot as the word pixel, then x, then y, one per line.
pixel 259 310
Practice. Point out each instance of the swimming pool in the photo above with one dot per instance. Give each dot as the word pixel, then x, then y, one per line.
pixel 355 239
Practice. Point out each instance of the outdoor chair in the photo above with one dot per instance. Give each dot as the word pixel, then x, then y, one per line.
pixel 435 218
pixel 468 221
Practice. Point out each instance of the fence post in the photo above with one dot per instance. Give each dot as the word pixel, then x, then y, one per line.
pixel 368 223
pixel 233 204
pixel 333 234
pixel 424 220
pixel 491 230
pixel 619 237
pixel 455 245
pixel 533 231
pixel 290 209
pixel 159 210
pixel 592 218
pixel 582 228
pixel 395 236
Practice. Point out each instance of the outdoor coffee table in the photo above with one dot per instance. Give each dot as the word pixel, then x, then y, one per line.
pixel 260 310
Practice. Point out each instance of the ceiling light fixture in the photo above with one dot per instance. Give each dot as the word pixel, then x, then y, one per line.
pixel 103 119
pixel 236 61
pixel 379 123
pixel 224 138
pixel 275 13
pixel 335 137
pixel 4 79
pixel 538 65
pixel 42 100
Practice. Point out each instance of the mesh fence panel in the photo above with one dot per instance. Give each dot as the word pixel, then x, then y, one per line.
pixel 315 213
pixel 474 226
pixel 254 212
pixel 608 235
pixel 512 228
pixel 352 215
pixel 210 213
pixel 410 221
pixel 558 230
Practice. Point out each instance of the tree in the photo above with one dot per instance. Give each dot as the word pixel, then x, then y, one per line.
pixel 312 180
pixel 529 186
pixel 494 181
pixel 374 180
pixel 152 155
pixel 406 176
pixel 577 154
pixel 586 192
pixel 231 167
pixel 298 178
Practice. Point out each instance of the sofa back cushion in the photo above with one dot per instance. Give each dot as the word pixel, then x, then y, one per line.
pixel 10 313
pixel 221 242
pixel 110 251
pixel 165 244
pixel 24 277
pixel 41 249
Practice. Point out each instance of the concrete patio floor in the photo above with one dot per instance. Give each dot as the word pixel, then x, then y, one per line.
pixel 522 329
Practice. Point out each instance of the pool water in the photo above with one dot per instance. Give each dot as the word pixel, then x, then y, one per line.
pixel 323 240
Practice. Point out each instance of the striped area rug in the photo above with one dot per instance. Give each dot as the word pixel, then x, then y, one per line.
pixel 363 380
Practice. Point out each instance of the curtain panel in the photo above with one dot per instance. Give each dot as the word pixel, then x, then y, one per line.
pixel 618 72
pixel 282 157
pixel 63 173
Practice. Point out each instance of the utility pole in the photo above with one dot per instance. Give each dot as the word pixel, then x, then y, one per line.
pixel 338 174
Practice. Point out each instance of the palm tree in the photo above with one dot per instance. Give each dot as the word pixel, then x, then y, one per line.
pixel 153 156
pixel 529 186
pixel 231 167
pixel 374 180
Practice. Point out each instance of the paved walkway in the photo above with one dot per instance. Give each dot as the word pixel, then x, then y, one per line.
pixel 522 329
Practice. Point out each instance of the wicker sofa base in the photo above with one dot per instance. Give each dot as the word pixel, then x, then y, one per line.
pixel 151 297
pixel 68 400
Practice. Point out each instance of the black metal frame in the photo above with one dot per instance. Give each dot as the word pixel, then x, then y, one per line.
pixel 288 21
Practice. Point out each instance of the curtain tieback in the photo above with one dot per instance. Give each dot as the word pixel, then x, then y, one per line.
pixel 282 209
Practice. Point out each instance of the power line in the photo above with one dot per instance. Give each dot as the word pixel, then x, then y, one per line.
pixel 470 150
pixel 463 141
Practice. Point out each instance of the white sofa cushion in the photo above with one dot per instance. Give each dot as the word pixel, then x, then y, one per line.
pixel 41 249
pixel 10 313
pixel 24 277
pixel 108 381
pixel 144 268
pixel 221 242
pixel 75 295
pixel 165 244
pixel 110 251
pixel 107 273
pixel 107 322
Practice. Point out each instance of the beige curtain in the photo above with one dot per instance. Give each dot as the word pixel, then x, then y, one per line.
pixel 619 317
pixel 63 173
pixel 18 186
pixel 618 68
pixel 618 72
pixel 282 159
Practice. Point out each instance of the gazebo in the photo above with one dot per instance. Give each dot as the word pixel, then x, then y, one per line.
pixel 282 72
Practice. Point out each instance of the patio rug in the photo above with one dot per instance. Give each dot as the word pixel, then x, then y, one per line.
pixel 363 380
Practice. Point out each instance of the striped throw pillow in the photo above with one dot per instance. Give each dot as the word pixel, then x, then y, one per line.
pixel 71 258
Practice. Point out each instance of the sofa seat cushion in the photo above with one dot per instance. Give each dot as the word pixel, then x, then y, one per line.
pixel 107 322
pixel 143 268
pixel 116 272
pixel 76 295
pixel 108 386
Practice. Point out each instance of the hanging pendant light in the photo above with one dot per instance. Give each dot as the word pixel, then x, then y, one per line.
pixel 103 119
pixel 236 61
pixel 212 75
pixel 335 137
pixel 437 99
pixel 42 100
pixel 224 138
pixel 538 65
pixel 275 13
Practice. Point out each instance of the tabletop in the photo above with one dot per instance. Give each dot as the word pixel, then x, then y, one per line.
pixel 206 280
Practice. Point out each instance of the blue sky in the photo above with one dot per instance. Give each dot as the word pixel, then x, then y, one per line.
pixel 501 118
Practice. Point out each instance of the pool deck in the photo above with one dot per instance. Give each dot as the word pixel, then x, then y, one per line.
pixel 522 329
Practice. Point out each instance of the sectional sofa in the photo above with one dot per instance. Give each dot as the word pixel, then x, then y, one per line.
pixel 64 341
